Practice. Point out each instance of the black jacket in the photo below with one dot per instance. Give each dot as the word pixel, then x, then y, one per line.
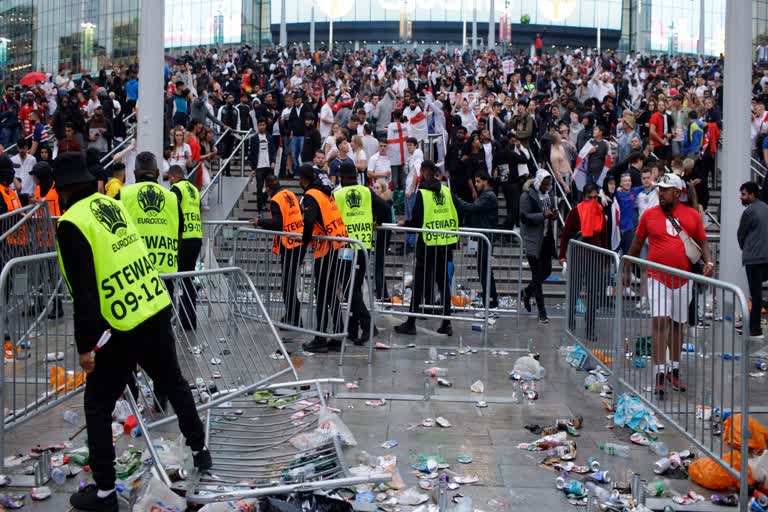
pixel 253 152
pixel 483 212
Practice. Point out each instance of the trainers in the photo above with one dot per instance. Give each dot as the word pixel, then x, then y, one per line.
pixel 333 346
pixel 446 328
pixel 87 498
pixel 203 460
pixel 674 379
pixel 543 318
pixel 406 327
pixel 317 344
pixel 660 385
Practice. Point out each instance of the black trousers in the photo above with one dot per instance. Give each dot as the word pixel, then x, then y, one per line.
pixel 290 263
pixel 380 254
pixel 190 250
pixel 511 191
pixel 227 144
pixel 541 269
pixel 360 317
pixel 150 345
pixel 327 271
pixel 261 196
pixel 756 275
pixel 483 268
pixel 431 269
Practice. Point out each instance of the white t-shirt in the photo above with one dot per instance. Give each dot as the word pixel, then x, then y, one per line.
pixel 326 120
pixel 357 157
pixel 180 156
pixel 414 167
pixel 22 173
pixel 380 163
pixel 488 148
pixel 263 151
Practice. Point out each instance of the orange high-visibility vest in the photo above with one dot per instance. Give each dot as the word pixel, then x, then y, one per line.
pixel 333 225
pixel 52 197
pixel 11 200
pixel 292 220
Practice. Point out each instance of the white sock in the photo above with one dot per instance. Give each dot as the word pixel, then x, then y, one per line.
pixel 675 365
pixel 660 368
pixel 104 494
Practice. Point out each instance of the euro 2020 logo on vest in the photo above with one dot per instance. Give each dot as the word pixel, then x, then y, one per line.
pixel 289 199
pixel 110 216
pixel 439 198
pixel 151 200
pixel 191 190
pixel 354 199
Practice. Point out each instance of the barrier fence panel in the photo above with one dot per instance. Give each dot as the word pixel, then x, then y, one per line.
pixel 41 361
pixel 306 289
pixel 590 300
pixel 445 282
pixel 684 361
pixel 218 242
pixel 26 231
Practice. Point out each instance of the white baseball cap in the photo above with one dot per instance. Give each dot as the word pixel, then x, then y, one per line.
pixel 669 180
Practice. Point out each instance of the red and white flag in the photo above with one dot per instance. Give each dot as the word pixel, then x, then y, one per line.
pixel 582 166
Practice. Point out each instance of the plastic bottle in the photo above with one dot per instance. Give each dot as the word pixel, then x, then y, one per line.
pixel 59 474
pixel 589 381
pixel 603 495
pixel 71 417
pixel 442 493
pixel 435 372
pixel 432 354
pixel 660 448
pixel 617 449
pixel 658 488
pixel 117 429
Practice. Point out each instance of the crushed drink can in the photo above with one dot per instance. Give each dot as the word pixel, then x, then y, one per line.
pixel 761 365
pixel 477 327
pixel 593 463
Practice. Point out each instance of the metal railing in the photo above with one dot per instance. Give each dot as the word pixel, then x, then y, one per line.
pixel 26 231
pixel 684 361
pixel 224 166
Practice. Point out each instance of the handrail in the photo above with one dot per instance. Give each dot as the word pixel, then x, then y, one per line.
pixel 755 171
pixel 48 130
pixel 712 218
pixel 192 171
pixel 217 179
pixel 110 156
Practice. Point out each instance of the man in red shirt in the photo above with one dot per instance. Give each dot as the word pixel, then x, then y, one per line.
pixel 659 131
pixel 668 295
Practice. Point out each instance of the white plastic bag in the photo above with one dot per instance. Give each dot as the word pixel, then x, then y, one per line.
pixel 170 453
pixel 329 425
pixel 244 505
pixel 157 497
pixel 527 366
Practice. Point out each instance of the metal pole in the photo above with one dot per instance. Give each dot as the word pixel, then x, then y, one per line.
pixel 474 25
pixel 702 30
pixel 151 57
pixel 330 36
pixel 312 30
pixel 283 29
pixel 736 133
pixel 492 27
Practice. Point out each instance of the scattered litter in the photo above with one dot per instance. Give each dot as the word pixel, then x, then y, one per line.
pixel 758 375
pixel 426 463
pixel 630 412
pixel 527 368
pixel 640 438
pixel 382 346
pixel 443 422
pixel 4 480
pixel 477 387
pixel 215 360
pixel 410 345
pixel 389 444
pixel 196 350
pixel 444 383
pixel 466 479
pixel 40 493
pixel 352 386
pixel 277 356
pixel 216 375
pixel 428 422
pixel 435 372
pixel 11 501
pixel 727 356
pixel 453 486
pixel 499 353
pixel 689 499
pixel 425 484
pixel 413 497
pixel 54 356
pixel 464 459
pixel 376 403
pixel 482 404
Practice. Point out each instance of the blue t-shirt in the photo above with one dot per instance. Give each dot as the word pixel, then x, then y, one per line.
pixel 627 209
pixel 132 90
pixel 333 169
pixel 765 143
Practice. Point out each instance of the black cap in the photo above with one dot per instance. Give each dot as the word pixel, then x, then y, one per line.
pixel 347 170
pixel 69 169
pixel 6 164
pixel 307 171
pixel 42 170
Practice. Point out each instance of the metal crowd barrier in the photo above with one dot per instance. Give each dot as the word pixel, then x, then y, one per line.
pixel 301 293
pixel 41 360
pixel 590 294
pixel 677 331
pixel 218 241
pixel 26 231
pixel 399 277
pixel 260 421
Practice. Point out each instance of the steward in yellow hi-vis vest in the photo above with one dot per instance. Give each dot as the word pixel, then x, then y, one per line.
pixel 433 209
pixel 360 210
pixel 117 294
pixel 286 217
pixel 191 241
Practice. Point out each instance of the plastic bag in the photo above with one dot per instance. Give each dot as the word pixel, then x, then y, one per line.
pixel 630 412
pixel 710 475
pixel 61 380
pixel 528 366
pixel 157 497
pixel 732 435
pixel 577 357
pixel 122 411
pixel 170 453
pixel 329 425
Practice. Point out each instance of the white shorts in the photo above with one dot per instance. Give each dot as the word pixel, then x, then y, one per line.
pixel 669 302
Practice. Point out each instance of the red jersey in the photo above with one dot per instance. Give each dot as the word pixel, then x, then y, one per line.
pixel 665 247
pixel 657 120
